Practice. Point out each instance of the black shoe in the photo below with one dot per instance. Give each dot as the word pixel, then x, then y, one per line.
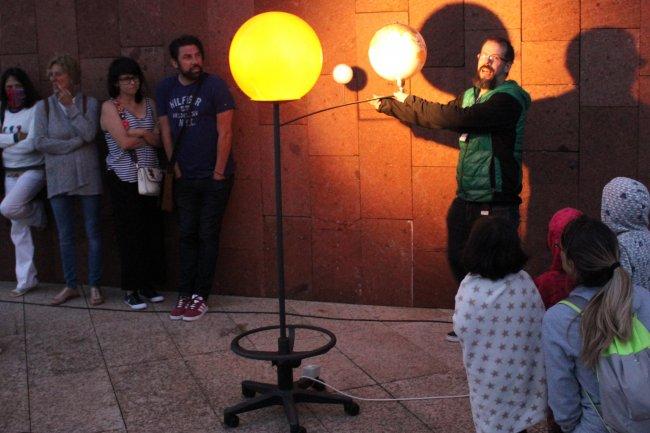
pixel 452 337
pixel 133 300
pixel 152 295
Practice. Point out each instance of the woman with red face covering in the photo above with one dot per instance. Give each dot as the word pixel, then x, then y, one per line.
pixel 24 172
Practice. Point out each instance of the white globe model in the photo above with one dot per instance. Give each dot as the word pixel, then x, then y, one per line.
pixel 342 73
pixel 397 52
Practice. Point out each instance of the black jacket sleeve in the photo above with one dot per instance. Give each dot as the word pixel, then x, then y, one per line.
pixel 500 112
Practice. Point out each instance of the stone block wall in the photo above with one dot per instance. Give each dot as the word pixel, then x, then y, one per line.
pixel 365 197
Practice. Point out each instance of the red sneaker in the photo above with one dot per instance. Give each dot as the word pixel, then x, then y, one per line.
pixel 180 308
pixel 196 309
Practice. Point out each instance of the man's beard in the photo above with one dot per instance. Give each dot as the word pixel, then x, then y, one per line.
pixel 192 74
pixel 484 83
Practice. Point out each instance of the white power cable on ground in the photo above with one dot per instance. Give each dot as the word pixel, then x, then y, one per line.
pixel 435 397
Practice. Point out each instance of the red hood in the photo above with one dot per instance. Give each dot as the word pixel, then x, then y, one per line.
pixel 555 228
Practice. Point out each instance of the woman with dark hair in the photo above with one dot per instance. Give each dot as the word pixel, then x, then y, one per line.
pixel 24 172
pixel 573 343
pixel 128 121
pixel 65 127
pixel 498 319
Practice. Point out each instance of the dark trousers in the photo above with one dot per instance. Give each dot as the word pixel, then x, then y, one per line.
pixel 460 218
pixel 139 227
pixel 201 204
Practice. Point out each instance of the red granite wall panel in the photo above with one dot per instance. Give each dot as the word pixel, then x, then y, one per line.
pixel 297 257
pixel 550 20
pixel 385 165
pixel 608 148
pixel 140 23
pixel 622 14
pixel 93 77
pixel 644 131
pixel 182 17
pixel 239 272
pixel 365 197
pixel 552 123
pixel 98 29
pixel 644 39
pixel 56 21
pixel 382 5
pixel 387 257
pixel 548 62
pixel 295 173
pixel 224 18
pixel 552 185
pixel 337 264
pixel 480 15
pixel 436 148
pixel 18 27
pixel 332 132
pixel 434 284
pixel 243 225
pixel 334 189
pixel 441 24
pixel 434 188
pixel 608 67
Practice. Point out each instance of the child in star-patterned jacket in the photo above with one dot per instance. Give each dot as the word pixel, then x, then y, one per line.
pixel 498 319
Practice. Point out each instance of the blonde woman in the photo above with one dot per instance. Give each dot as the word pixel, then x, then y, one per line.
pixel 65 129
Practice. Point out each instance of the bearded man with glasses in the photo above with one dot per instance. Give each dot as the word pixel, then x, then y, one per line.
pixel 490 118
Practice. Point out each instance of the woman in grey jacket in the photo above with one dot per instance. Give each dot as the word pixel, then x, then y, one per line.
pixel 573 344
pixel 65 129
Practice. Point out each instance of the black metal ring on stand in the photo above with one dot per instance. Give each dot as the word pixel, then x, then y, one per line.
pixel 275 355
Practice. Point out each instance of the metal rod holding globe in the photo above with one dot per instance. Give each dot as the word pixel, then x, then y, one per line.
pixel 276 57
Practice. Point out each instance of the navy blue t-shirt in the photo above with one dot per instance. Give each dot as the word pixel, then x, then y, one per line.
pixel 198 149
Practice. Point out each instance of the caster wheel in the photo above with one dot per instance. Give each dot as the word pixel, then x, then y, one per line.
pixel 298 429
pixel 231 420
pixel 351 409
pixel 318 386
pixel 247 392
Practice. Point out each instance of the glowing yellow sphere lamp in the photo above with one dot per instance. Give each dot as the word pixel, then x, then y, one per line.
pixel 397 52
pixel 275 56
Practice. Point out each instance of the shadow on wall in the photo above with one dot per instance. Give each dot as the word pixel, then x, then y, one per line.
pixel 578 136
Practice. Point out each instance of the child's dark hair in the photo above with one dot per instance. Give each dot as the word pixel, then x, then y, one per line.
pixel 124 66
pixel 31 96
pixel 183 41
pixel 493 249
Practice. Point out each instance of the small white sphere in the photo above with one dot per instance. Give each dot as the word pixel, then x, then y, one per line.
pixel 342 73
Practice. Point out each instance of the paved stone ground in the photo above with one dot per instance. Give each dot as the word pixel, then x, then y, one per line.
pixel 89 370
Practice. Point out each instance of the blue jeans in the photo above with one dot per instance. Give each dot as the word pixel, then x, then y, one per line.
pixel 64 214
pixel 201 204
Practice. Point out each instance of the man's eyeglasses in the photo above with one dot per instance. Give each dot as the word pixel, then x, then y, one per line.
pixel 129 80
pixel 490 57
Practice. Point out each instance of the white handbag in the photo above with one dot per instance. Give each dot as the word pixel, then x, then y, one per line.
pixel 149 180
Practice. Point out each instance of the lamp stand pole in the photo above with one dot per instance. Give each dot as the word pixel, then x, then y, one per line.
pixel 283 346
pixel 285 392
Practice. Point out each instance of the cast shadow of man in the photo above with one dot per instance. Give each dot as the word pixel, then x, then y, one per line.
pixel 581 134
